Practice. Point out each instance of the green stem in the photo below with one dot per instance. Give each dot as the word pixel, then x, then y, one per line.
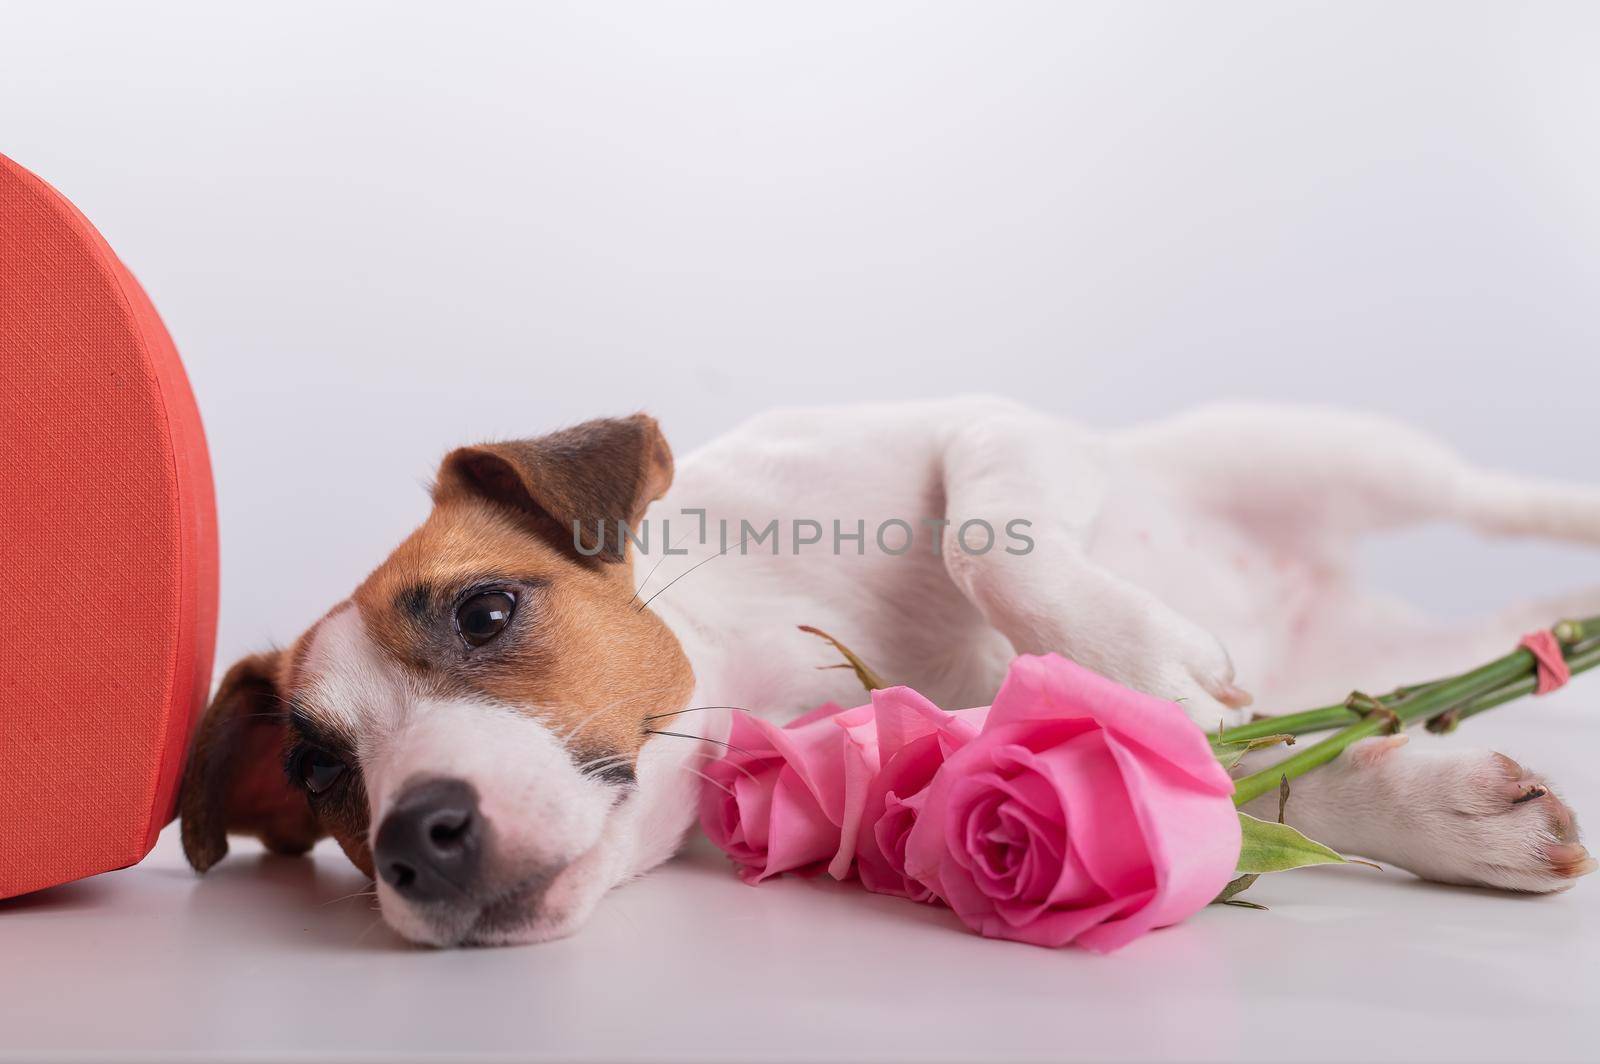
pixel 1314 720
pixel 1337 716
pixel 1583 659
pixel 1481 689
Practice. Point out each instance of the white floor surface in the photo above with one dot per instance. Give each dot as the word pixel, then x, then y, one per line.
pixel 274 958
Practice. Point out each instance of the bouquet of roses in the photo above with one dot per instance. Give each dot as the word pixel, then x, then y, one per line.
pixel 1070 810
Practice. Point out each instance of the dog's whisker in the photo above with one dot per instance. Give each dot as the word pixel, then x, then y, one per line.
pixel 646 603
pixel 718 784
pixel 694 709
pixel 700 739
pixel 746 773
pixel 577 729
pixel 361 937
pixel 371 892
pixel 565 735
pixel 667 553
pixel 644 694
pixel 601 764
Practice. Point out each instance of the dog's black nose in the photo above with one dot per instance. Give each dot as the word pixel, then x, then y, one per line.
pixel 430 843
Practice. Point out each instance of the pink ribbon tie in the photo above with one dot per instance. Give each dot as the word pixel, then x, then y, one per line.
pixel 1546 651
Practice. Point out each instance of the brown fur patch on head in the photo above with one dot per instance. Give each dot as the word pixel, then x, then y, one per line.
pixel 579 652
pixel 233 781
pixel 571 486
pixel 240 775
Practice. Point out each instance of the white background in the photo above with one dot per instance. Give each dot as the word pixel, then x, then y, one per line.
pixel 376 233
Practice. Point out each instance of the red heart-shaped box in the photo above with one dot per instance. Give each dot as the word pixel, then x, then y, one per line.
pixel 108 550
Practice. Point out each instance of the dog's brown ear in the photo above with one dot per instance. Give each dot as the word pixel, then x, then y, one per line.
pixel 572 486
pixel 234 781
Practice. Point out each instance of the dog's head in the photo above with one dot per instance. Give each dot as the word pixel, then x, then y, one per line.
pixel 469 723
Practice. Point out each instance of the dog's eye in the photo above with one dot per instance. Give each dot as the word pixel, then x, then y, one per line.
pixel 484 616
pixel 319 770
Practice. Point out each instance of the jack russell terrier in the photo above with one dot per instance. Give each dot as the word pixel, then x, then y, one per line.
pixel 483 725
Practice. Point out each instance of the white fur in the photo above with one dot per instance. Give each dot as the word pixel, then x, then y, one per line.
pixel 355 687
pixel 1180 559
pixel 1177 558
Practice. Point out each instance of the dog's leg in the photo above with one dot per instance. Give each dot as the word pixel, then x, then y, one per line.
pixel 1453 816
pixel 1053 598
pixel 1312 477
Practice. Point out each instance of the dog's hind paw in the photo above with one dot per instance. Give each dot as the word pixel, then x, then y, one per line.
pixel 1496 825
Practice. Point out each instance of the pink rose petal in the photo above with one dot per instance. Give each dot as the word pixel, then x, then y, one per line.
pixel 1072 810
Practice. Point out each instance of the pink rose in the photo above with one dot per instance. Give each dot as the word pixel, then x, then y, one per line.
pixel 1082 812
pixel 914 738
pixel 789 799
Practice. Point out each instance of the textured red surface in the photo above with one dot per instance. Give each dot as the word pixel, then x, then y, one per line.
pixel 108 554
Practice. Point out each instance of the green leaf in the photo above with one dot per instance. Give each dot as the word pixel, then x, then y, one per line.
pixel 1234 887
pixel 1268 847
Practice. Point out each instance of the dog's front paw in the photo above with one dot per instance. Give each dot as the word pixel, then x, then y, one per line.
pixel 1481 819
pixel 1192 668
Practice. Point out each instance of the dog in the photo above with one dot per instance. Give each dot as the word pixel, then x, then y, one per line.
pixel 502 721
